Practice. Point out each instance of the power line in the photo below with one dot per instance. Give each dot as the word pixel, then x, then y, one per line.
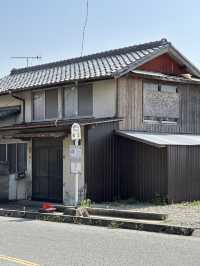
pixel 84 27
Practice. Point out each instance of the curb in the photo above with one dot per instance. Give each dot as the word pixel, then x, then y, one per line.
pixel 127 214
pixel 132 225
pixel 117 213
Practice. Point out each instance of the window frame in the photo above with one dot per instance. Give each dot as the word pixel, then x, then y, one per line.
pixel 44 114
pixel 16 144
pixel 78 88
pixel 90 85
pixel 159 89
pixel 64 102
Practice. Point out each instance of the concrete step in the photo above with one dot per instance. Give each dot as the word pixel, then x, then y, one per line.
pixel 70 210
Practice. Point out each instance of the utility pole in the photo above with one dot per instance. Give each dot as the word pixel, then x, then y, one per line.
pixel 27 58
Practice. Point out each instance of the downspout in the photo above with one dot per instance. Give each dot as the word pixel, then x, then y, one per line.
pixel 117 97
pixel 23 104
pixel 116 146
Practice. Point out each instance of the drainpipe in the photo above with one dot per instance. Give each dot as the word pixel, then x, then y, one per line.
pixel 117 97
pixel 23 104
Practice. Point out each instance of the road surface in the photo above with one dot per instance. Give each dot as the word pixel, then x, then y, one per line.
pixel 33 243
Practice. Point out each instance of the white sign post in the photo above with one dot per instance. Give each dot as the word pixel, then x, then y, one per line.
pixel 75 154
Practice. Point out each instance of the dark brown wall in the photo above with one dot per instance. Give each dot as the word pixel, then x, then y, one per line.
pixel 130 106
pixel 142 170
pixel 184 173
pixel 100 178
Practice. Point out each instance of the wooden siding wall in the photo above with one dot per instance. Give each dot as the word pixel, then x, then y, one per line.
pixel 184 173
pixel 130 103
pixel 130 107
pixel 101 182
pixel 142 170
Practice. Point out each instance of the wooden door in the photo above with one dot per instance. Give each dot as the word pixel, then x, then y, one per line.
pixel 47 170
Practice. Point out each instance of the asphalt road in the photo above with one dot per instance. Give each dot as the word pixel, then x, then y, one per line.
pixel 33 243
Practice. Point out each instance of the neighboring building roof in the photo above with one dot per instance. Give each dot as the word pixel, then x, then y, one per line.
pixel 161 140
pixel 113 63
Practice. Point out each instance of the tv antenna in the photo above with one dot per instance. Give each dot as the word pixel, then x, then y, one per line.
pixel 27 58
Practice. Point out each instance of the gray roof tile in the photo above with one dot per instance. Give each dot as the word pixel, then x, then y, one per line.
pixel 95 66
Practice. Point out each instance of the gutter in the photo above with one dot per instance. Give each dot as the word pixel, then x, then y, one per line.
pixel 23 104
pixel 117 97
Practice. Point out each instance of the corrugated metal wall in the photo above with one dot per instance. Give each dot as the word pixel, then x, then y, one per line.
pixel 184 173
pixel 101 180
pixel 142 170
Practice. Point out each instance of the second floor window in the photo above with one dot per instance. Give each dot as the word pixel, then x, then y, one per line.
pixel 160 102
pixel 45 105
pixel 78 101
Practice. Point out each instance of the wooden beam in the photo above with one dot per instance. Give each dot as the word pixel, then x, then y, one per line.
pixel 36 135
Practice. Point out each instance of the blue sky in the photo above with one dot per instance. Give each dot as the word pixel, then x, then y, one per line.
pixel 53 28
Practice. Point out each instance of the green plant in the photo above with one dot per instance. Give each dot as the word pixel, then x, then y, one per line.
pixel 86 203
pixel 195 203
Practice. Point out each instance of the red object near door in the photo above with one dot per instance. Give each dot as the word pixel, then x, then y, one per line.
pixel 47 207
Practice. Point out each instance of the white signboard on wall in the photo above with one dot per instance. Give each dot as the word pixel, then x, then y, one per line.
pixel 75 152
pixel 75 167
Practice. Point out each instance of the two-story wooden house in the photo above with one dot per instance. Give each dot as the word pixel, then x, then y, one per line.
pixel 139 112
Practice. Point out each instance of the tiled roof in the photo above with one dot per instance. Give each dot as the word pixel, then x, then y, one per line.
pixel 101 65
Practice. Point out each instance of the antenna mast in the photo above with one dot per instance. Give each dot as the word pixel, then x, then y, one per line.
pixel 84 27
pixel 27 58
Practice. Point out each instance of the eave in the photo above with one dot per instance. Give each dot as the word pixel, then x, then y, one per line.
pixel 50 128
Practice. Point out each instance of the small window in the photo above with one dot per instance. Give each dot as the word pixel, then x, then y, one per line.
pixel 150 86
pixel 2 152
pixel 168 88
pixel 38 106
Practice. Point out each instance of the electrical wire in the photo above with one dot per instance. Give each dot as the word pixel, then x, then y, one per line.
pixel 84 27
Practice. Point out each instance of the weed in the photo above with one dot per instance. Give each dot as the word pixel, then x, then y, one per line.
pixel 86 203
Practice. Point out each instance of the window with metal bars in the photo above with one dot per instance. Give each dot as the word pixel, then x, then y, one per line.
pixel 16 155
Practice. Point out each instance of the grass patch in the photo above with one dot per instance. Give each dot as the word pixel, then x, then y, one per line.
pixel 195 203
